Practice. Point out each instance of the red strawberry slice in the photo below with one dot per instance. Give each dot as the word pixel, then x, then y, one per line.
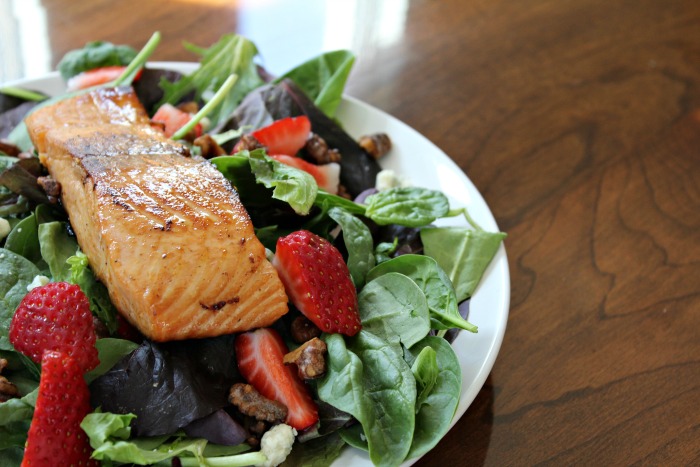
pixel 55 436
pixel 285 136
pixel 173 119
pixel 327 176
pixel 318 282
pixel 90 78
pixel 55 316
pixel 259 355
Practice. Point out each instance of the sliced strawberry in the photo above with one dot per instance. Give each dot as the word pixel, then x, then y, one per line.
pixel 327 176
pixel 55 436
pixel 55 316
pixel 259 355
pixel 318 282
pixel 173 119
pixel 285 136
pixel 90 78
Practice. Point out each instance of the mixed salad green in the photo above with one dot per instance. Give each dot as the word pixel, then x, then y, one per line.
pixel 391 390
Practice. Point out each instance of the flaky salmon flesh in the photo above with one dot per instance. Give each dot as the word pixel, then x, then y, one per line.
pixel 165 232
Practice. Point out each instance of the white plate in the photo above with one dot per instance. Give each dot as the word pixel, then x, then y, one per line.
pixel 415 157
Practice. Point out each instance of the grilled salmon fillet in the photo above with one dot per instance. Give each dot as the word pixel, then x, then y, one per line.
pixel 165 232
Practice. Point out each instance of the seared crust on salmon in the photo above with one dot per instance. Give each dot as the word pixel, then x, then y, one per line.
pixel 166 233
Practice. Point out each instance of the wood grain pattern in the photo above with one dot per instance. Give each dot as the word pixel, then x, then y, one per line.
pixel 579 122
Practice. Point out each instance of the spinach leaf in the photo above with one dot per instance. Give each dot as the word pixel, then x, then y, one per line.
pixel 394 308
pixel 411 207
pixel 294 186
pixel 237 170
pixel 100 303
pixel 17 410
pixel 326 201
pixel 355 436
pixel 318 452
pixel 24 240
pixel 95 54
pixel 232 54
pixel 462 253
pixel 16 273
pixel 369 379
pixel 323 78
pixel 358 241
pixel 436 286
pixel 439 381
pixel 56 247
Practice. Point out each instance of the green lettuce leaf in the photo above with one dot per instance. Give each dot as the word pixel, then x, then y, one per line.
pixel 294 186
pixel 323 78
pixel 232 54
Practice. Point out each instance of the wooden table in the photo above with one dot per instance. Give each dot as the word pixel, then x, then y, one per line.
pixel 579 122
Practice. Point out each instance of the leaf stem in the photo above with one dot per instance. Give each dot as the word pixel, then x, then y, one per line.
pixel 208 107
pixel 465 213
pixel 25 94
pixel 139 61
pixel 237 460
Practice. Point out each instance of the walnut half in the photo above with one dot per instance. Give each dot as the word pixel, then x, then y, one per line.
pixel 309 358
pixel 7 389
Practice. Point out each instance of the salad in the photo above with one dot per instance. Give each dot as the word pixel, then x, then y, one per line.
pixel 391 389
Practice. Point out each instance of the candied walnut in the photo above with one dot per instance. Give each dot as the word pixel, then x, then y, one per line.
pixel 9 148
pixel 303 330
pixel 191 107
pixel 343 192
pixel 100 328
pixel 317 148
pixel 309 359
pixel 376 145
pixel 247 143
pixel 250 402
pixel 7 389
pixel 209 147
pixel 50 186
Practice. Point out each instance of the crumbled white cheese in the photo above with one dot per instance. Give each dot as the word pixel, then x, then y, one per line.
pixel 276 444
pixel 4 228
pixel 387 179
pixel 38 282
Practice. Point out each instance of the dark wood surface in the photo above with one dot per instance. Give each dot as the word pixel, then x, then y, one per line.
pixel 579 122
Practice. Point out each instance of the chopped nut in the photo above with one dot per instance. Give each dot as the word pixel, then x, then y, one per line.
pixel 247 143
pixel 376 145
pixel 100 328
pixel 343 192
pixel 251 402
pixel 50 186
pixel 7 389
pixel 309 359
pixel 210 148
pixel 9 148
pixel 317 148
pixel 191 107
pixel 303 330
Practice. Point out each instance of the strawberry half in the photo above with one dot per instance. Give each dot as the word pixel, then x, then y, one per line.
pixel 285 136
pixel 327 176
pixel 173 119
pixel 55 316
pixel 259 355
pixel 97 76
pixel 318 282
pixel 55 436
